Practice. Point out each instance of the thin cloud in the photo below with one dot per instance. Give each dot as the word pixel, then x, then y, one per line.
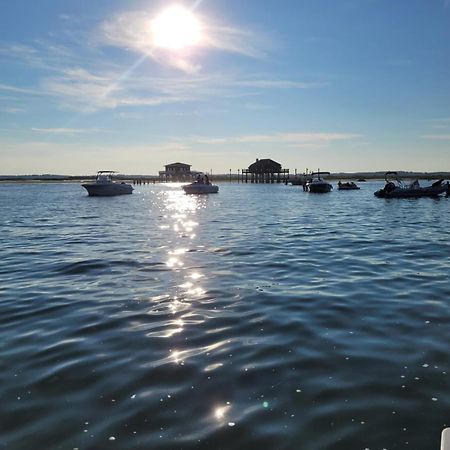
pixel 233 40
pixel 19 51
pixel 43 54
pixel 85 91
pixel 277 84
pixel 91 84
pixel 441 123
pixel 88 92
pixel 12 110
pixel 286 138
pixel 437 137
pixel 132 31
pixel 67 131
pixel 19 90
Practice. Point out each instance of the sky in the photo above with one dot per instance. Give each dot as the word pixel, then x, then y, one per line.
pixel 340 85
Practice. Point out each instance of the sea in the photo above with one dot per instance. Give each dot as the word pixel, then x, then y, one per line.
pixel 261 317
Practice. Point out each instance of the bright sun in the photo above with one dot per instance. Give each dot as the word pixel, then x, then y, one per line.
pixel 176 28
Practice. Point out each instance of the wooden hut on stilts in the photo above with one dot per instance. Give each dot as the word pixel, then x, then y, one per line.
pixel 265 171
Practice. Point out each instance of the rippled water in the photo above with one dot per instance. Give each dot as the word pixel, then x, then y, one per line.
pixel 259 318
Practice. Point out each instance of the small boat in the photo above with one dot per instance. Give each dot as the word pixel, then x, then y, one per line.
pixel 104 186
pixel 199 187
pixel 362 180
pixel 317 185
pixel 396 188
pixel 349 186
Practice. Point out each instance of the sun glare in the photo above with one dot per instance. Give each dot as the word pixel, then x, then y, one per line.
pixel 176 28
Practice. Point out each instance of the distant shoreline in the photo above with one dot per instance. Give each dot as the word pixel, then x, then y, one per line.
pixel 47 178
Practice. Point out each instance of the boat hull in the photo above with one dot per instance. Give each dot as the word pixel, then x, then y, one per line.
pixel 197 188
pixel 108 190
pixel 432 191
pixel 348 187
pixel 320 188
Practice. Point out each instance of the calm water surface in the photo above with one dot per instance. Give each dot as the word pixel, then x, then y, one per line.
pixel 259 318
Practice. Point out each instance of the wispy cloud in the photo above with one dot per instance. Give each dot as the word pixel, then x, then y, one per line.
pixel 67 131
pixel 440 123
pixel 19 51
pixel 42 54
pixel 82 90
pixel 91 83
pixel 11 110
pixel 19 90
pixel 437 137
pixel 233 40
pixel 277 84
pixel 132 31
pixel 291 139
pixel 129 116
pixel 87 91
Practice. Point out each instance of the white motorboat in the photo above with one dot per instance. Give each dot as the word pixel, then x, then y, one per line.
pixel 317 184
pixel 199 187
pixel 104 186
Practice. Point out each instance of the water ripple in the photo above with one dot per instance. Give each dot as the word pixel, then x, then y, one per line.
pixel 223 322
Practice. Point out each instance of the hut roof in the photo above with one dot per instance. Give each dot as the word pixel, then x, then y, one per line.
pixel 178 164
pixel 264 166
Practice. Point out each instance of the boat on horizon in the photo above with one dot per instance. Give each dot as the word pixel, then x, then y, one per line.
pixel 104 186
pixel 317 185
pixel 396 188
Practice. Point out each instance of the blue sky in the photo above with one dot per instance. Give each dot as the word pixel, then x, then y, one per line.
pixel 348 85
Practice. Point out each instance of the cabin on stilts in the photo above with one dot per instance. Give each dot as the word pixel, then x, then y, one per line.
pixel 265 171
pixel 177 172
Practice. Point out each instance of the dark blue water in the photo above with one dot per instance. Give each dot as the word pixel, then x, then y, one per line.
pixel 262 317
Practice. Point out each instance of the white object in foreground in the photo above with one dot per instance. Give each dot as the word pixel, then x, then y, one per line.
pixel 200 188
pixel 445 439
pixel 104 186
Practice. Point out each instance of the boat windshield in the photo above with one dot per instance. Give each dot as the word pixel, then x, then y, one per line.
pixel 392 177
pixel 316 176
pixel 104 175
